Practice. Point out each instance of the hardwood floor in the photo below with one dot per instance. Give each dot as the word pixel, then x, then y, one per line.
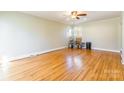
pixel 66 64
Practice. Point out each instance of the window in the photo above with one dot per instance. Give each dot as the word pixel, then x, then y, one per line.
pixel 69 33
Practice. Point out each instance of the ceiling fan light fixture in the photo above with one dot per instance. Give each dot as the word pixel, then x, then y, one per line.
pixel 73 17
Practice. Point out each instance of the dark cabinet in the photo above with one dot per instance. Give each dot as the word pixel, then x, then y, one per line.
pixel 88 45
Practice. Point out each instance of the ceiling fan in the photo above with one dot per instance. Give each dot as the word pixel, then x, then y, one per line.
pixel 76 14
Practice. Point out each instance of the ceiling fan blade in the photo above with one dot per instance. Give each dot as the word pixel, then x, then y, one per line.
pixel 77 18
pixel 81 14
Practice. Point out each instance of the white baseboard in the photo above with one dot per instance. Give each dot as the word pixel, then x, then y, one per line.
pixel 106 50
pixel 50 50
pixel 33 54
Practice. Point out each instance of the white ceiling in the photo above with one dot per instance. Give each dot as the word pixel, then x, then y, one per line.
pixel 64 16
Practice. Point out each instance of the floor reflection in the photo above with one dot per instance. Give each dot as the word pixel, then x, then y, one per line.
pixel 74 61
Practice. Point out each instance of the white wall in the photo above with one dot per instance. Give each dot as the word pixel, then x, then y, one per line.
pixel 122 38
pixel 22 34
pixel 123 30
pixel 104 34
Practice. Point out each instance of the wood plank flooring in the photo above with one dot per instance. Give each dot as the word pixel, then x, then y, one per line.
pixel 66 65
